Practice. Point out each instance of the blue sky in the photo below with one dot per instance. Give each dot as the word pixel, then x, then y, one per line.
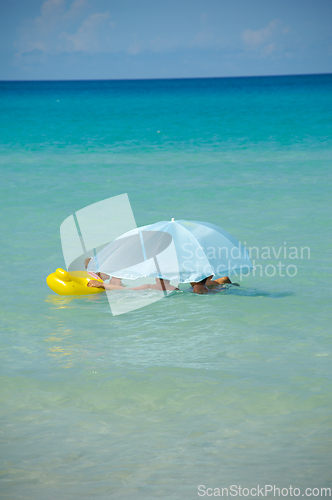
pixel 105 39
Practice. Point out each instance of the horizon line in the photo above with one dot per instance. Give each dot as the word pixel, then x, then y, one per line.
pixel 164 78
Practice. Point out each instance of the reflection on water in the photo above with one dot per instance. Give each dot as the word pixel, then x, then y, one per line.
pixel 66 302
pixel 58 346
pixel 60 302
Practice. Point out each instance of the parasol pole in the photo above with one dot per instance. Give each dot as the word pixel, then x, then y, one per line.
pixel 158 271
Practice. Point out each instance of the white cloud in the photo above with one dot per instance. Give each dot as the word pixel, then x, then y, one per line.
pixel 268 41
pixel 203 38
pixel 76 8
pixel 92 36
pixel 65 29
pixel 50 10
pixel 253 39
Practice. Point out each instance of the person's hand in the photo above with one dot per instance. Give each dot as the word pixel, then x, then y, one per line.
pixel 95 284
pixel 86 262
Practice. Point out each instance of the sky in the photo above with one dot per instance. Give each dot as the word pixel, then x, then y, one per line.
pixel 134 39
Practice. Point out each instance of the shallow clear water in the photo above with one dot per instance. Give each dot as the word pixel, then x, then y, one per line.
pixel 231 388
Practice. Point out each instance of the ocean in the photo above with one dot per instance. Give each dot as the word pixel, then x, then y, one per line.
pixel 229 390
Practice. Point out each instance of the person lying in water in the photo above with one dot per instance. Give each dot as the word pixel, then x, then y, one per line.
pixel 205 285
pixel 116 283
pixel 161 284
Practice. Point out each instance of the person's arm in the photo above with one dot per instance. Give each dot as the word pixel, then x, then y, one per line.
pixel 145 287
pixel 155 286
pixel 105 286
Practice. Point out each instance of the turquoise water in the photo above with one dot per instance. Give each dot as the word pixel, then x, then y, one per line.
pixel 218 390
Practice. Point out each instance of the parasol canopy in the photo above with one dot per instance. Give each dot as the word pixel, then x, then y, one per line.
pixel 180 251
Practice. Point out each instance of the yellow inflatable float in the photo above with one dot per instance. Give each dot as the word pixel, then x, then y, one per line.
pixel 73 283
